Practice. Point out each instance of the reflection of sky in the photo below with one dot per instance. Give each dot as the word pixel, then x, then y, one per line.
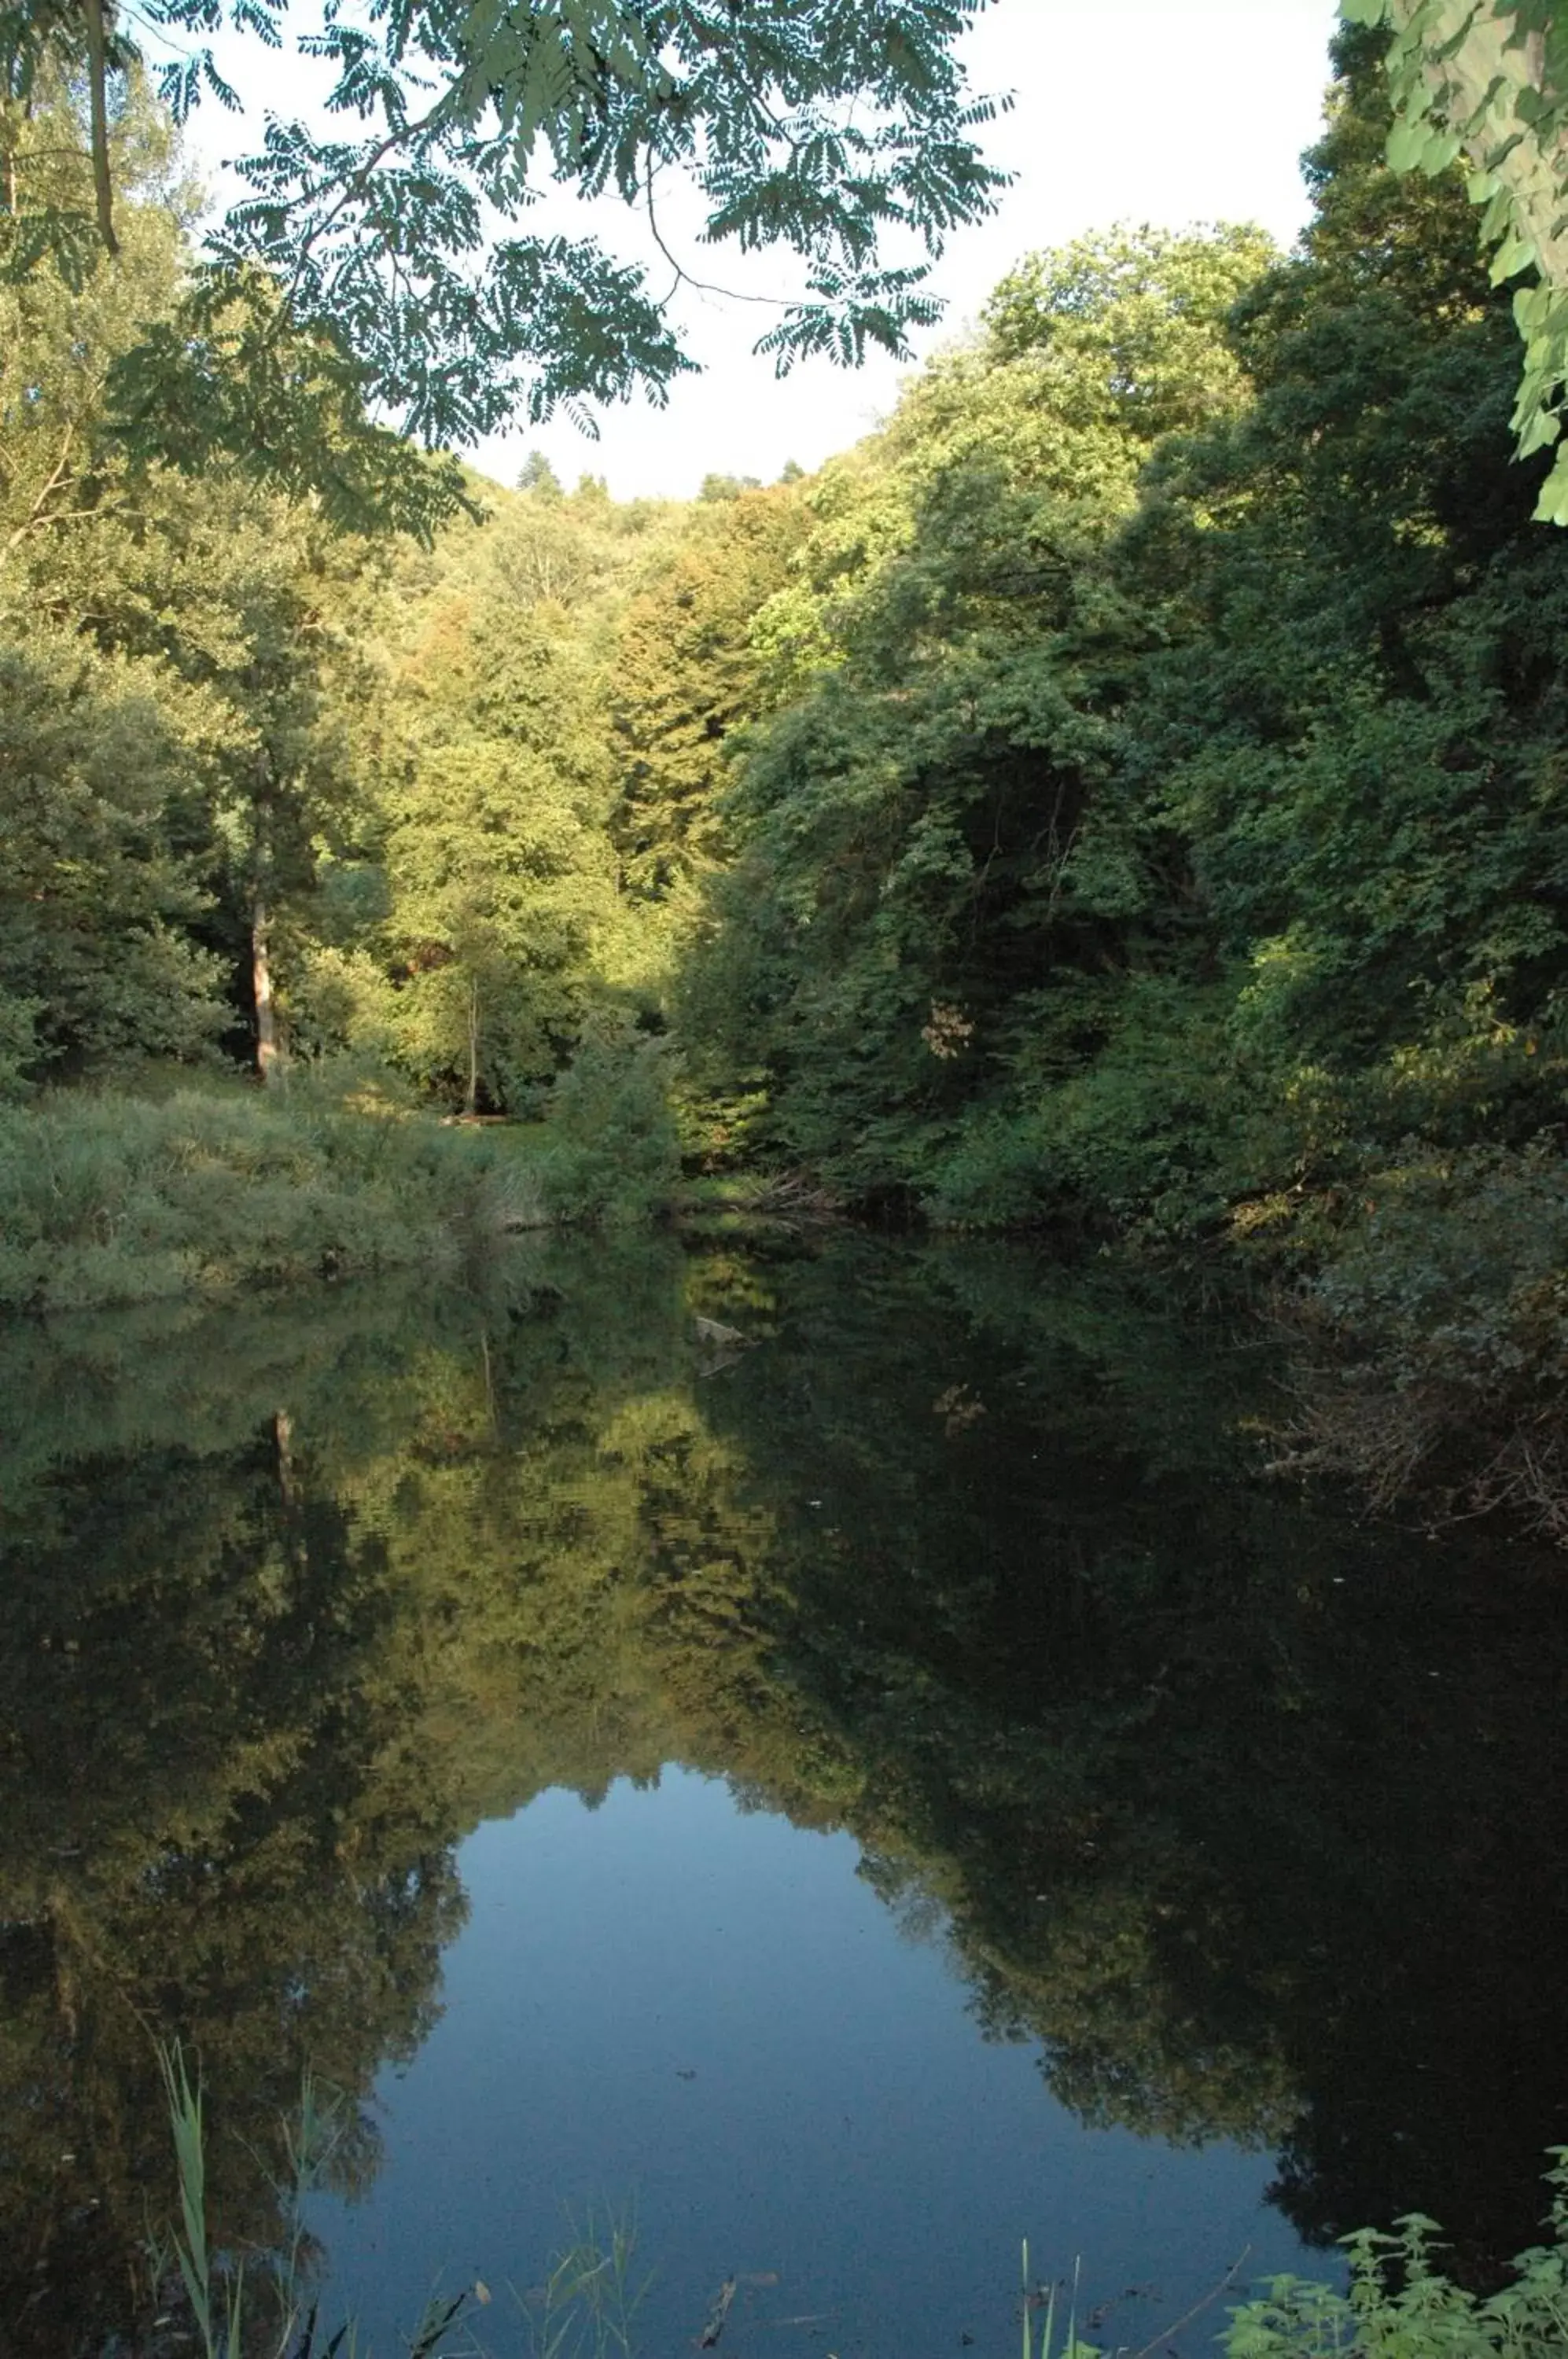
pixel 1167 111
pixel 845 2125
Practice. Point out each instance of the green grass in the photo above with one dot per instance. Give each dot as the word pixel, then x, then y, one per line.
pixel 112 1199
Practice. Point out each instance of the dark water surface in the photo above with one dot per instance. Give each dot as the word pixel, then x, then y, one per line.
pixel 850 1801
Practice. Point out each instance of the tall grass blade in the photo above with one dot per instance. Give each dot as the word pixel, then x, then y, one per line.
pixel 438 2317
pixel 189 2249
pixel 234 2297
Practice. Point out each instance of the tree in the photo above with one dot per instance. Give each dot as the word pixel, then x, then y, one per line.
pixel 1487 79
pixel 686 674
pixel 361 267
pixel 97 965
pixel 219 610
pixel 1356 707
pixel 101 743
pixel 928 880
pixel 500 875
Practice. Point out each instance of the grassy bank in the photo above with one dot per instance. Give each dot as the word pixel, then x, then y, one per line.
pixel 114 1200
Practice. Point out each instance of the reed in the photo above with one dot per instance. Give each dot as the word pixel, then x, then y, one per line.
pixel 1048 2347
pixel 588 2304
pixel 585 2309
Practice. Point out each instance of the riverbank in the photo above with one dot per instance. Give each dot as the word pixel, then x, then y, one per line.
pixel 109 1199
pixel 1421 1324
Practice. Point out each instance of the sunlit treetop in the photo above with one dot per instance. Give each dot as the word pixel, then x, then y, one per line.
pixel 395 239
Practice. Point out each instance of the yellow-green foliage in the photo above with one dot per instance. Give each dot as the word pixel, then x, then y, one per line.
pixel 114 1200
pixel 685 674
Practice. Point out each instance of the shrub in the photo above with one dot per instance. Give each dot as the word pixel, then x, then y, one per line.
pixel 1401 2306
pixel 614 1151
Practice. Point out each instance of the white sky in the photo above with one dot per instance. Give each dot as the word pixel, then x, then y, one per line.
pixel 1162 111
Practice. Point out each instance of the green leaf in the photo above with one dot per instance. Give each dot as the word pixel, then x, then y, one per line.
pixel 1551 507
pixel 1408 142
pixel 1515 254
pixel 1542 430
pixel 1440 149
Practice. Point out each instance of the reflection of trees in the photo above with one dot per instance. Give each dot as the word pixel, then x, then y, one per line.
pixel 272 1597
pixel 208 1825
pixel 1162 1753
pixel 1257 1823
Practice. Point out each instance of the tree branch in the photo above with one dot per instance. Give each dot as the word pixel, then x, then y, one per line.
pixel 35 516
pixel 703 285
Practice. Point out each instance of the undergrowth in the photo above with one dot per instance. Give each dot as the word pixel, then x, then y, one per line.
pixel 108 1200
pixel 1400 2305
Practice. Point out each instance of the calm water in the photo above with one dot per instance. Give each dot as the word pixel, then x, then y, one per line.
pixel 847 1802
pixel 708 2014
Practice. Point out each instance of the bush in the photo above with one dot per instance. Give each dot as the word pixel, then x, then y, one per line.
pixel 107 1199
pixel 1143 1140
pixel 1400 2306
pixel 614 1154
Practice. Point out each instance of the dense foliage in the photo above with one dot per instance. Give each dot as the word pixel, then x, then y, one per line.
pixel 1487 79
pixel 1163 831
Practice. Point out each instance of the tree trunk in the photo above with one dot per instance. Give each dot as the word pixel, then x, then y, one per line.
pixel 471 1103
pixel 268 1047
pixel 283 1440
pixel 98 102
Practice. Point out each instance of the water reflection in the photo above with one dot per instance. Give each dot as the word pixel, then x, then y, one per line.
pixel 709 2012
pixel 1251 1824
